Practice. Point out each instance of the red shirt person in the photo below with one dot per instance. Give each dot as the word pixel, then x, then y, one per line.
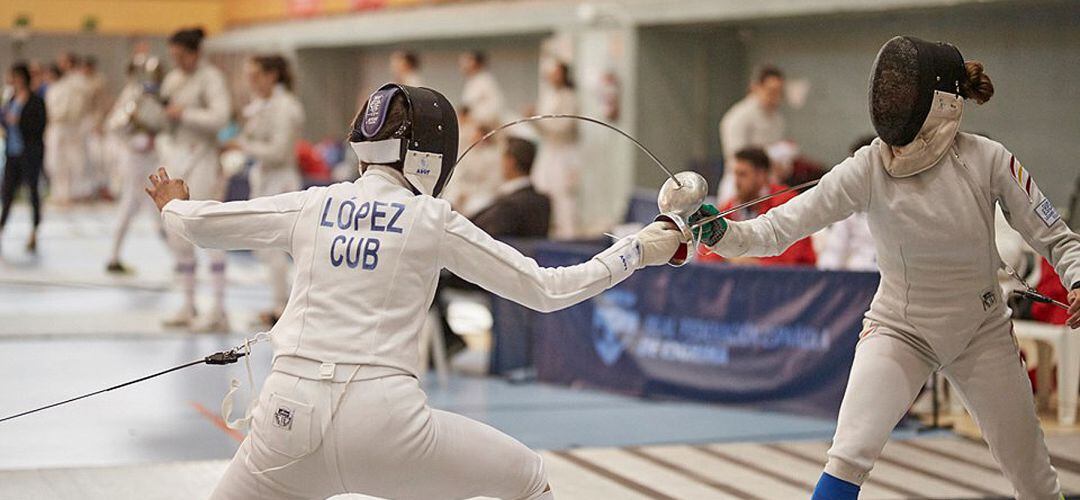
pixel 751 171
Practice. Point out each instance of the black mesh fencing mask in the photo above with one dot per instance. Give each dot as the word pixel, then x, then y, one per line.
pixel 424 146
pixel 905 76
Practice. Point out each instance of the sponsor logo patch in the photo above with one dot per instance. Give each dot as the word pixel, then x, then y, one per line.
pixel 1047 212
pixel 988 300
pixel 283 418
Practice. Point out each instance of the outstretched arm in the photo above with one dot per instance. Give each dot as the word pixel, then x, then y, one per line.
pixel 1033 215
pixel 261 223
pixel 841 192
pixel 475 256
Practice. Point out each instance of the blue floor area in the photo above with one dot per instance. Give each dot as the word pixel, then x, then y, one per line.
pixel 159 420
pixel 68 328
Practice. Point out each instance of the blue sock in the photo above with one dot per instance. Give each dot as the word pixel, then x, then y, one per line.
pixel 831 488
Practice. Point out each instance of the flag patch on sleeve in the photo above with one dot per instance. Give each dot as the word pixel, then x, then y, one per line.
pixel 1047 212
pixel 1022 178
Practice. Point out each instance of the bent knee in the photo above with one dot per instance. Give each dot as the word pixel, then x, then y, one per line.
pixel 538 487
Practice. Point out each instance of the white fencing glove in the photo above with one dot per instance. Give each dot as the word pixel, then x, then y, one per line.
pixel 659 241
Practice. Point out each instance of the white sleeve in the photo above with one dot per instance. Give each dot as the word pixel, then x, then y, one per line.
pixel 215 115
pixel 475 256
pixel 261 223
pixel 1033 215
pixel 842 192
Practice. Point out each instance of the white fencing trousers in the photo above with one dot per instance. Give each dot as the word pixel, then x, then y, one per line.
pixel 135 166
pixel 383 441
pixel 204 183
pixel 66 159
pixel 890 369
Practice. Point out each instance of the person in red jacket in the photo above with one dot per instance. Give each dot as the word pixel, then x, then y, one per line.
pixel 751 170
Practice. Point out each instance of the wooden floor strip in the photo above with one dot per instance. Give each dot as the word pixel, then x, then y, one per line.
pixel 756 468
pixel 944 454
pixel 610 475
pixel 883 484
pixel 1064 463
pixel 692 475
pixel 940 477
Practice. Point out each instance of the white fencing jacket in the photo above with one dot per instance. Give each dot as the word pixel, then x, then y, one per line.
pixel 368 255
pixel 190 147
pixel 270 133
pixel 934 234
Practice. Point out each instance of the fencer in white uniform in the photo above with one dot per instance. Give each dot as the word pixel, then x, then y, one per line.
pixel 272 125
pixel 198 106
pixel 66 103
pixel 929 194
pixel 558 162
pixel 136 128
pixel 481 95
pixel 342 410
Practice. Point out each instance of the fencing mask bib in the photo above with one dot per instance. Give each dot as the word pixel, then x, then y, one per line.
pixel 423 147
pixel 913 80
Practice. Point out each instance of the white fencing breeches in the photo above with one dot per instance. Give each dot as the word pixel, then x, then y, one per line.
pixel 204 183
pixel 65 153
pixel 135 166
pixel 888 372
pixel 383 441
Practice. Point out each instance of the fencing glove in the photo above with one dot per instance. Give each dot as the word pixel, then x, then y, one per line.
pixel 711 233
pixel 659 241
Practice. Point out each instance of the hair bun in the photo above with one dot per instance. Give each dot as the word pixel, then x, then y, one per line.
pixel 976 85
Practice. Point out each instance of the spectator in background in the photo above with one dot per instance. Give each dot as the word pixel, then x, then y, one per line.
pixel 198 107
pixel 272 125
pixel 519 211
pixel 50 75
pixel 37 76
pixel 848 244
pixel 95 177
pixel 753 121
pixel 750 170
pixel 405 66
pixel 481 96
pixel 558 166
pixel 65 140
pixel 23 117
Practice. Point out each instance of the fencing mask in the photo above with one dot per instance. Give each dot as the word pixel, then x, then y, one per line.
pixel 906 74
pixel 422 144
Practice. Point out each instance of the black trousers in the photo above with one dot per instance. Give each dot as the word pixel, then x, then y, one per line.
pixel 17 171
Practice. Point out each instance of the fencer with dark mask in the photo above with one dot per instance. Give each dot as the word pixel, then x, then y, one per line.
pixel 929 193
pixel 342 410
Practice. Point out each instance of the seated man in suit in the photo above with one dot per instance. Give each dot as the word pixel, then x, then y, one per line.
pixel 517 211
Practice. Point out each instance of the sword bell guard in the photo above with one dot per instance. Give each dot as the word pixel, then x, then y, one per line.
pixel 680 197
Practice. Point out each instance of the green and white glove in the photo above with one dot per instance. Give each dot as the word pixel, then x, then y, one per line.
pixel 710 233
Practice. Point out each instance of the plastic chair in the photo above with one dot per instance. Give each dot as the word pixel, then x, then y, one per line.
pixel 1067 353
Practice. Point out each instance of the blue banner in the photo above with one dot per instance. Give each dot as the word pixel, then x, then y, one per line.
pixel 772 338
